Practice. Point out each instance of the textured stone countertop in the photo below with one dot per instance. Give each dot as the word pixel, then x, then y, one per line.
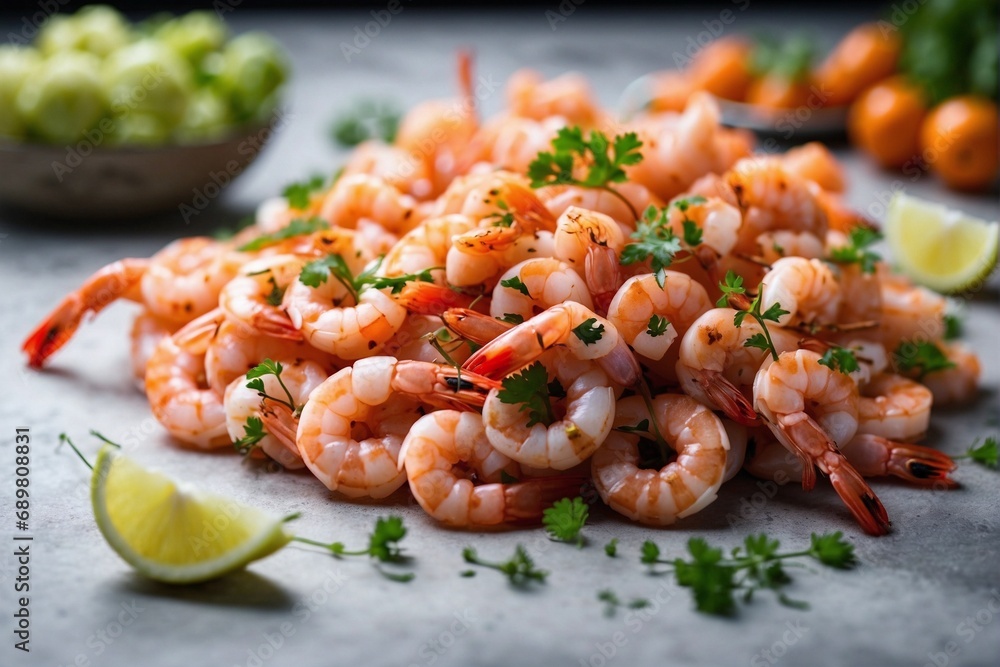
pixel 932 585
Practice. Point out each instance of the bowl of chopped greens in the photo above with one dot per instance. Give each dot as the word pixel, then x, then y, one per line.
pixel 101 118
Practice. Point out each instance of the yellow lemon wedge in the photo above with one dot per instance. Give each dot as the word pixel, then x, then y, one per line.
pixel 172 533
pixel 938 247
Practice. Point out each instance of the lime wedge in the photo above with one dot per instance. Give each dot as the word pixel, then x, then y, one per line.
pixel 175 534
pixel 938 247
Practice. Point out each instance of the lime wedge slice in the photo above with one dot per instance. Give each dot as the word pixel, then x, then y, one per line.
pixel 938 247
pixel 175 534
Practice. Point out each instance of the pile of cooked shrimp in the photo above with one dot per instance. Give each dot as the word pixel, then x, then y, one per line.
pixel 432 319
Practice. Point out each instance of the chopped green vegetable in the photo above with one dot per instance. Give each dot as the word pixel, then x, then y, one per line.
pixel 253 432
pixel 732 288
pixel 270 367
pixel 520 569
pixel 952 327
pixel 564 521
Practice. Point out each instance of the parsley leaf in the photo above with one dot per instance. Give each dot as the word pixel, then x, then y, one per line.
pixel 734 293
pixel 520 569
pixel 383 547
pixel 253 432
pixel 986 454
pixel 516 285
pixel 603 160
pixel 316 272
pixel 530 388
pixel 856 251
pixel 270 367
pixel 657 326
pixel 611 548
pixel 297 227
pixel 731 285
pixel 840 359
pixel 832 550
pixel 655 242
pixel 366 120
pixel 298 194
pixel 512 318
pixel 589 331
pixel 565 519
pixel 952 327
pixel 502 218
pixel 922 357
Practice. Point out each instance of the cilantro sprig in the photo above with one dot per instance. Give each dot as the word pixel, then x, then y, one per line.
pixel 952 327
pixel 318 271
pixel 530 388
pixel 589 331
pixel 655 241
pixel 611 548
pixel 299 194
pixel 732 289
pixel 602 158
pixel 840 359
pixel 714 580
pixel 253 432
pixel 519 569
pixel 856 251
pixel 564 521
pixel 383 547
pixel 297 227
pixel 986 454
pixel 503 217
pixel 612 602
pixel 256 377
pixel 921 357
pixel 657 326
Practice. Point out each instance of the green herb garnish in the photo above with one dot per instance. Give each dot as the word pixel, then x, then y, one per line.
pixel 840 359
pixel 519 569
pixel 856 251
pixel 531 389
pixel 565 519
pixel 986 454
pixel 383 546
pixel 732 288
pixel 922 357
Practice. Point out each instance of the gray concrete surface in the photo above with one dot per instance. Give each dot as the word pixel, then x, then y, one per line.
pixel 931 585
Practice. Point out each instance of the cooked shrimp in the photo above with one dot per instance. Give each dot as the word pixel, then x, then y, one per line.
pixel 536 284
pixel 715 365
pixel 718 221
pixel 678 149
pixel 958 383
pixel 344 323
pixel 560 198
pixel 908 311
pixel 403 170
pixel 181 400
pixel 512 143
pixel 353 425
pixel 412 341
pixel 425 246
pixel 567 325
pixel 254 296
pixel 680 301
pixel 812 410
pixel 485 199
pixel 861 295
pixel 443 448
pixel 568 96
pixel 184 279
pixel 588 412
pixel 353 198
pixel 814 162
pixel 119 279
pixel 772 246
pixel 241 403
pixel 147 332
pixel 579 230
pixel 680 488
pixel 870 455
pixel 481 256
pixel 806 288
pixel 894 407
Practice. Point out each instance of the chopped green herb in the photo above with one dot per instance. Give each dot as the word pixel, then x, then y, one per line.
pixel 611 548
pixel 589 331
pixel 270 367
pixel 298 194
pixel 520 569
pixel 297 227
pixel 512 318
pixel 655 242
pixel 657 326
pixel 952 327
pixel 253 432
pixel 516 285
pixel 986 454
pixel 840 359
pixel 732 288
pixel 383 546
pixel 856 251
pixel 530 388
pixel 922 357
pixel 565 519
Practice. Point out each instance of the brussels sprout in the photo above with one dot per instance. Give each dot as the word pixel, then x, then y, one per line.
pixel 63 98
pixel 148 78
pixel 97 29
pixel 207 118
pixel 139 129
pixel 253 69
pixel 193 35
pixel 16 63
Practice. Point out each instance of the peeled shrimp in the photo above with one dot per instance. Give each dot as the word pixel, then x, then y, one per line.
pixel 353 198
pixel 678 489
pixel 806 288
pixel 254 296
pixel 440 451
pixel 894 407
pixel 546 280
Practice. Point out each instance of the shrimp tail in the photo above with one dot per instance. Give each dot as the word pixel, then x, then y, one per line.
pixel 729 398
pixel 474 326
pixel 449 388
pixel 872 456
pixel 860 499
pixel 621 365
pixel 114 281
pixel 526 501
pixel 814 447
pixel 602 271
pixel 431 299
pixel 195 336
pixel 276 323
pixel 279 421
